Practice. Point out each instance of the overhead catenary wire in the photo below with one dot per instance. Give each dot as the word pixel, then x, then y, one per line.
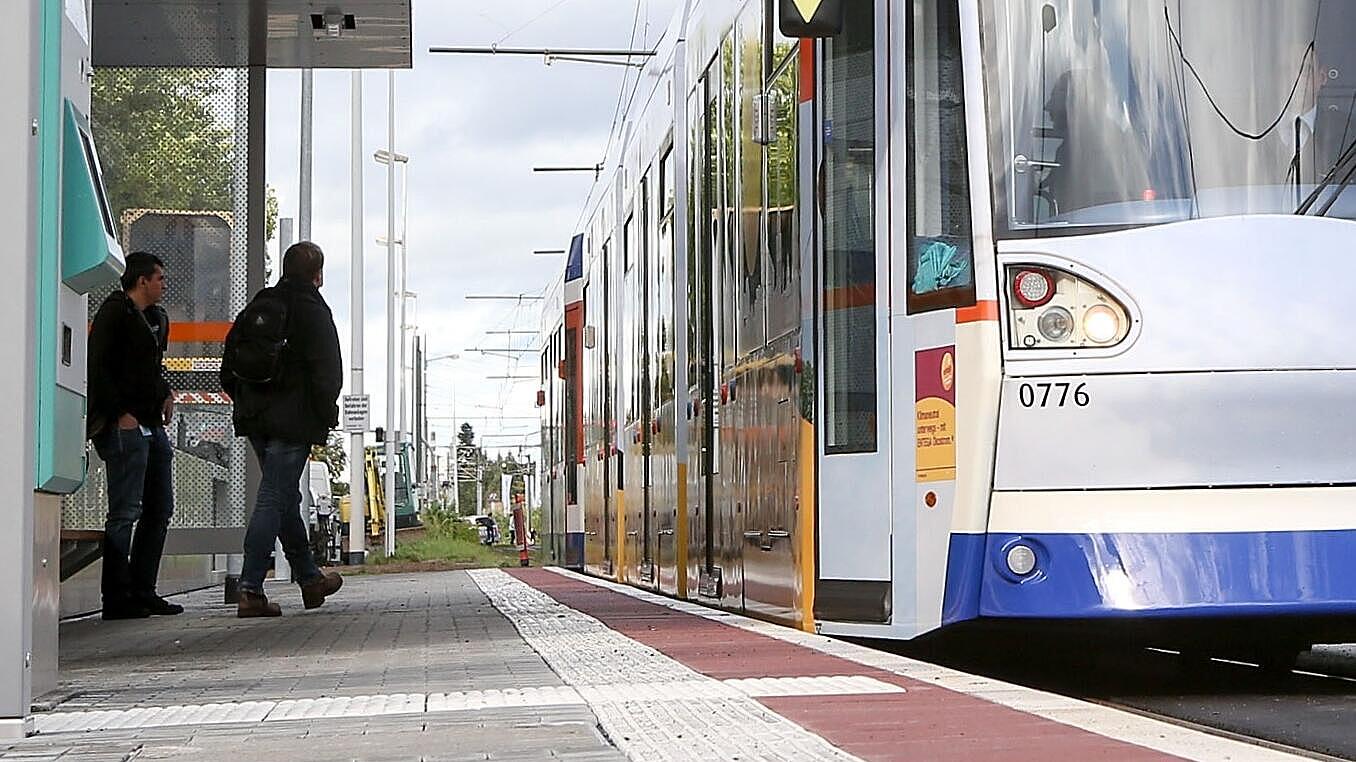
pixel 616 112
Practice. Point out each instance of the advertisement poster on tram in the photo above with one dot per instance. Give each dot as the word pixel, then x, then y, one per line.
pixel 935 413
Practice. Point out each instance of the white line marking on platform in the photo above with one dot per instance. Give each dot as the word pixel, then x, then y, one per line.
pixel 1105 721
pixel 652 706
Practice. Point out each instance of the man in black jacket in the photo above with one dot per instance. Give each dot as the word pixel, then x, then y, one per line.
pixel 129 406
pixel 283 417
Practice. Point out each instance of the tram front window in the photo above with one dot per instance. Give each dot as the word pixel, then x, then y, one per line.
pixel 1132 112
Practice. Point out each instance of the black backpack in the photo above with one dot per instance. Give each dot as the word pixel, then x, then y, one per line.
pixel 254 349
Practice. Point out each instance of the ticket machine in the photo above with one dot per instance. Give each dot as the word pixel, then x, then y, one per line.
pixel 79 252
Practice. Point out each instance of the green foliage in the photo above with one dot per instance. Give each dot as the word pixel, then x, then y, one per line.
pixel 335 457
pixel 455 550
pixel 167 139
pixel 442 521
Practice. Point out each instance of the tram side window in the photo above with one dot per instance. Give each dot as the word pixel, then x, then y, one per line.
pixel 941 257
pixel 573 447
pixel 849 136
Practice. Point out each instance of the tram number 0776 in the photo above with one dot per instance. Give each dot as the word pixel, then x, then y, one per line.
pixel 1056 394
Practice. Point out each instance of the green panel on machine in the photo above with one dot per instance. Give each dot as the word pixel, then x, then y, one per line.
pixel 90 254
pixel 49 200
pixel 69 461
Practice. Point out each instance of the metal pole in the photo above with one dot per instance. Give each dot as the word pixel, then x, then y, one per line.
pixel 454 452
pixel 418 391
pixel 357 510
pixel 401 367
pixel 404 281
pixel 282 570
pixel 480 489
pixel 307 120
pixel 392 286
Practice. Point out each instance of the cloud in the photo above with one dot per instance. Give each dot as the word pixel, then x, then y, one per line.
pixel 474 127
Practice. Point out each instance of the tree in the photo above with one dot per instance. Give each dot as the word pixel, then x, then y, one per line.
pixel 167 139
pixel 335 458
pixel 470 460
pixel 466 435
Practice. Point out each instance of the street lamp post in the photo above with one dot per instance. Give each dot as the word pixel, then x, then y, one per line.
pixel 357 483
pixel 394 293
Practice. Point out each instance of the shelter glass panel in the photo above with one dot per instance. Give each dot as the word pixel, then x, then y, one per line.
pixel 175 148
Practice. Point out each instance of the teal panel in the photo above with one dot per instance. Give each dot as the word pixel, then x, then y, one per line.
pixel 90 255
pixel 68 433
pixel 49 228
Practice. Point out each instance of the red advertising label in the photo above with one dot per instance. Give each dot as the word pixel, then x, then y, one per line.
pixel 935 413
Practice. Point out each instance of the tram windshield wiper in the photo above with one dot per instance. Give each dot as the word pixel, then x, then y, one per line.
pixel 1346 162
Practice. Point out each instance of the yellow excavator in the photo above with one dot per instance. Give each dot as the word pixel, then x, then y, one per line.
pixel 375 497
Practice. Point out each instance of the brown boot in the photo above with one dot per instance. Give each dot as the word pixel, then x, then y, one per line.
pixel 314 593
pixel 255 604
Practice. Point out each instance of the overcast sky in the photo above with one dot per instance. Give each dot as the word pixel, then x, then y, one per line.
pixel 473 127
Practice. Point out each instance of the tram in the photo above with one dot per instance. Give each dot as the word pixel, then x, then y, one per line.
pixel 972 310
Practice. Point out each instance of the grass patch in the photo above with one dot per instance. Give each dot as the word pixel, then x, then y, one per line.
pixel 457 551
pixel 446 542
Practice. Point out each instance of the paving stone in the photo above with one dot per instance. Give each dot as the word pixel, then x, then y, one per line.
pixel 382 636
pixel 613 672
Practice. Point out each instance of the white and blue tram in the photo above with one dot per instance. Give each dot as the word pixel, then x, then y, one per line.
pixel 973 309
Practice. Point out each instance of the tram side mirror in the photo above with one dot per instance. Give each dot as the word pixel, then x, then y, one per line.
pixel 810 18
pixel 1048 19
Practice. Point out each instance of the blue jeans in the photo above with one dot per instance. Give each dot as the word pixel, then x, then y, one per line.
pixel 140 495
pixel 277 514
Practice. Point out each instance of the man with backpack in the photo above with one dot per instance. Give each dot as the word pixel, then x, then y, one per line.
pixel 282 369
pixel 129 406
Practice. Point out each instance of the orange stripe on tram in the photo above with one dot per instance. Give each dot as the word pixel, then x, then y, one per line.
pixel 985 310
pixel 848 297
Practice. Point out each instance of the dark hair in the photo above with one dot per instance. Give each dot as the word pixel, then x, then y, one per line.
pixel 140 264
pixel 303 260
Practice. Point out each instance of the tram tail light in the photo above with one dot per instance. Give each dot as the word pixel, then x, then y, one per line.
pixel 1032 287
pixel 1053 309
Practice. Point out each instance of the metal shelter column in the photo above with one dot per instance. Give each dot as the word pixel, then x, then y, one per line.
pixel 19 71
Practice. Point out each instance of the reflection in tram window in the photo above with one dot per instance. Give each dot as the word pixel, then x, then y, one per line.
pixel 1130 113
pixel 751 334
pixel 783 220
pixel 941 259
pixel 849 135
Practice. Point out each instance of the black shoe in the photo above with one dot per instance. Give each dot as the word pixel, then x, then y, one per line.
pixel 158 606
pixel 125 611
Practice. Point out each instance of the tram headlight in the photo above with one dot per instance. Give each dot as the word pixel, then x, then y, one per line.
pixel 1051 309
pixel 1055 324
pixel 1021 560
pixel 1101 324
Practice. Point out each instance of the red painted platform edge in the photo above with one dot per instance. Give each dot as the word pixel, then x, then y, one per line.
pixel 926 722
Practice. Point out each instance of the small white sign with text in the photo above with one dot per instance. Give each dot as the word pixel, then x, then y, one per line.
pixel 357 413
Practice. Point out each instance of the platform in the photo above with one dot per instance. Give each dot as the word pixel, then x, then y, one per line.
pixel 542 664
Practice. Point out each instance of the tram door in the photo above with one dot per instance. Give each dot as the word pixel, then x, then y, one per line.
pixel 648 269
pixel 719 527
pixel 701 406
pixel 635 542
pixel 855 526
pixel 606 445
pixel 664 450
